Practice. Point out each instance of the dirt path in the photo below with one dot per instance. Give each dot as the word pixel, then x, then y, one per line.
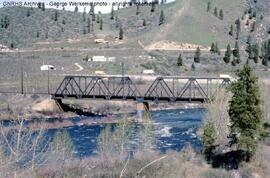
pixel 80 68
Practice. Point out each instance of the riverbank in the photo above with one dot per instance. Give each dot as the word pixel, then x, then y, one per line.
pixel 31 107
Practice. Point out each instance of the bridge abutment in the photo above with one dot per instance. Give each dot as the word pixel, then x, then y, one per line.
pixel 142 111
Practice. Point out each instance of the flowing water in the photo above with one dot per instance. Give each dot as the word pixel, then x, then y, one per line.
pixel 173 129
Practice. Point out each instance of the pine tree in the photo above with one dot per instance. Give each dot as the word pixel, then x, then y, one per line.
pixel 63 21
pixel 121 33
pixel 255 51
pixel 193 67
pixel 216 12
pixel 208 139
pixel 27 13
pixel 179 60
pixel 208 7
pixel 112 13
pixel 253 26
pixel 236 53
pixel 249 51
pixel 93 17
pixel 101 24
pixel 213 48
pixel 245 112
pixel 88 25
pixel 76 9
pixel 221 15
pixel 98 18
pixel 43 6
pixel 84 30
pixel 227 57
pixel 238 28
pixel 92 9
pixel 55 15
pixel 152 7
pixel 197 57
pixel 138 10
pixel 265 53
pixel 144 22
pixel 231 30
pixel 84 15
pixel 161 18
pixel 217 49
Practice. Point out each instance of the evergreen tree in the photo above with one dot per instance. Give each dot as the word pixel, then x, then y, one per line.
pixel 93 17
pixel 92 9
pixel 84 30
pixel 253 26
pixel 238 28
pixel 213 48
pixel 98 18
pixel 43 6
pixel 197 57
pixel 2 23
pixel 55 15
pixel 245 112
pixel 193 67
pixel 101 24
pixel 112 13
pixel 216 12
pixel 84 15
pixel 27 13
pixel 121 33
pixel 231 30
pixel 76 9
pixel 221 15
pixel 265 53
pixel 144 22
pixel 161 18
pixel 6 22
pixel 236 53
pixel 63 21
pixel 152 7
pixel 217 49
pixel 88 25
pixel 179 60
pixel 254 14
pixel 39 5
pixel 249 51
pixel 255 50
pixel 234 62
pixel 117 23
pixel 208 139
pixel 208 7
pixel 227 57
pixel 138 10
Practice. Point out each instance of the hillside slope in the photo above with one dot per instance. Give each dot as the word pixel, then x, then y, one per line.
pixel 187 21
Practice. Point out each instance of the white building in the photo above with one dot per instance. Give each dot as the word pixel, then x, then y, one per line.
pixel 148 71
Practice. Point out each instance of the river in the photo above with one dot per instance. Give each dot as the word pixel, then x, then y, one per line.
pixel 173 129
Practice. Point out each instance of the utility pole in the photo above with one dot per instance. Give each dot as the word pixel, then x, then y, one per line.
pixel 21 75
pixel 48 80
pixel 123 67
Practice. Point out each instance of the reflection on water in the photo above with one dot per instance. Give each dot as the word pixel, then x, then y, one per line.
pixel 173 129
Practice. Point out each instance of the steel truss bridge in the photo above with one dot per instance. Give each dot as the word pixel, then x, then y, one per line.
pixel 169 89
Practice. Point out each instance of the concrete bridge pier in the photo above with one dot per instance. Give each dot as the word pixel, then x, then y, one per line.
pixel 143 111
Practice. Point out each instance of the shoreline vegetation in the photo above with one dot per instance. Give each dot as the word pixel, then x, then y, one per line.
pixel 113 158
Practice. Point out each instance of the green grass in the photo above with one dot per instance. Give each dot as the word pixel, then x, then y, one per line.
pixel 194 25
